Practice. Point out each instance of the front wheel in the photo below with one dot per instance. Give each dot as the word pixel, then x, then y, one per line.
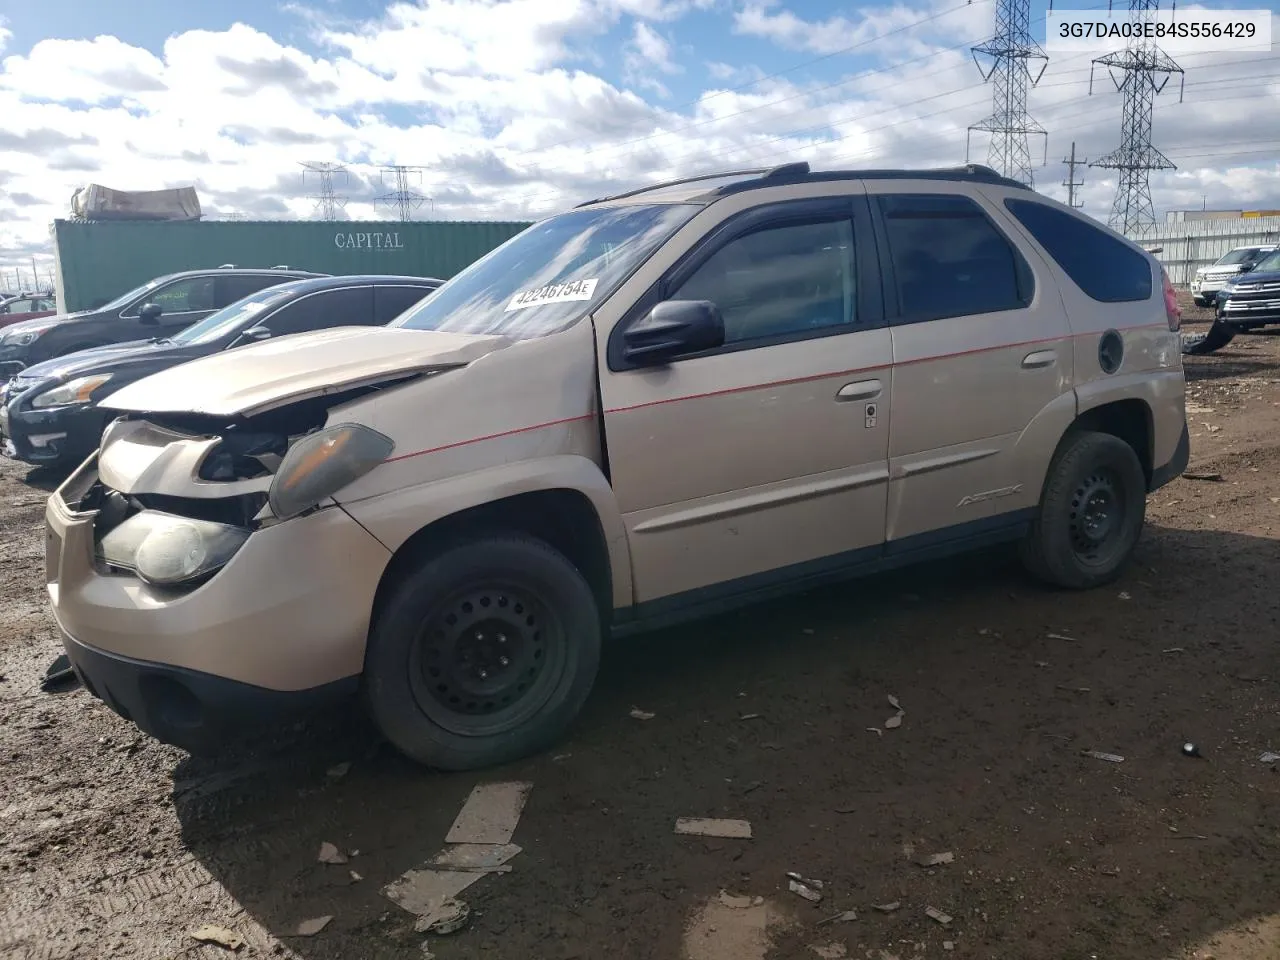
pixel 484 654
pixel 1091 513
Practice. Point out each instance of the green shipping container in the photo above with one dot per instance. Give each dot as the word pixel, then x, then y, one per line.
pixel 97 261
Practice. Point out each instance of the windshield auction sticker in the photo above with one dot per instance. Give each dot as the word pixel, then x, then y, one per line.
pixel 553 293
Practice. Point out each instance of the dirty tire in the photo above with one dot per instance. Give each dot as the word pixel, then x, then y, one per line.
pixel 1091 513
pixel 483 654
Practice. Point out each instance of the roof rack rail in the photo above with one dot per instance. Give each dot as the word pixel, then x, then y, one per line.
pixel 758 171
pixel 226 266
pixel 281 266
pixel 800 170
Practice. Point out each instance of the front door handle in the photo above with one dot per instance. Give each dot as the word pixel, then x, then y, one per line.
pixel 1040 358
pixel 859 390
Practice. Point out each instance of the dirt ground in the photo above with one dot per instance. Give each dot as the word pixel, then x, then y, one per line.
pixel 112 845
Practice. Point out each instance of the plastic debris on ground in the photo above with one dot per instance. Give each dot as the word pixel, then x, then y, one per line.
pixel 338 771
pixel 804 887
pixel 331 854
pixel 219 936
pixel 937 859
pixel 1099 755
pixel 309 928
pixel 933 913
pixel 490 814
pixel 896 720
pixel 638 714
pixel 886 907
pixel 449 916
pixel 848 916
pixel 1269 757
pixel 700 827
pixel 477 845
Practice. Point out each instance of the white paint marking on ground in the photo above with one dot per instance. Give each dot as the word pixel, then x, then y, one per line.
pixel 490 814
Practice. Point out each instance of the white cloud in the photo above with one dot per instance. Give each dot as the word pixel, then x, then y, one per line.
pixel 504 104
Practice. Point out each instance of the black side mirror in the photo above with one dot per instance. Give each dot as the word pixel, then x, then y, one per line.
pixel 674 328
pixel 149 313
pixel 253 335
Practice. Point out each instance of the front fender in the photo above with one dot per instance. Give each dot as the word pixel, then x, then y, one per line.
pixel 395 516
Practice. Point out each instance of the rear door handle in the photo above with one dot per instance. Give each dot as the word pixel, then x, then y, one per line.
pixel 1040 358
pixel 859 390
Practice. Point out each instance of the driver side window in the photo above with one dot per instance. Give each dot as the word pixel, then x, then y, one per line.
pixel 182 296
pixel 780 281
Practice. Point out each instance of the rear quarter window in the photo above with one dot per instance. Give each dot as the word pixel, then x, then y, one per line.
pixel 1104 267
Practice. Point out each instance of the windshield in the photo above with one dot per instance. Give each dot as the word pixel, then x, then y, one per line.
pixel 1239 256
pixel 1269 264
pixel 542 280
pixel 230 318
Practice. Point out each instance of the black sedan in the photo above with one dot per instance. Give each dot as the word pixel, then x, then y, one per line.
pixel 159 308
pixel 49 413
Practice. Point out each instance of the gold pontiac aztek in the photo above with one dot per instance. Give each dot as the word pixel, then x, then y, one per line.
pixel 652 406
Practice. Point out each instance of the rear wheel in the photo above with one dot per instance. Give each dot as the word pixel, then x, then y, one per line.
pixel 1091 513
pixel 483 654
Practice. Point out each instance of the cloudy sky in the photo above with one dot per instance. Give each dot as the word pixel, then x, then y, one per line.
pixel 517 108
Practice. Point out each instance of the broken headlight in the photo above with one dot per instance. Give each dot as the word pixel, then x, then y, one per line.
pixel 322 463
pixel 167 550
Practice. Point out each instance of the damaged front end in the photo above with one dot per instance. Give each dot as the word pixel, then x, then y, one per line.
pixel 176 495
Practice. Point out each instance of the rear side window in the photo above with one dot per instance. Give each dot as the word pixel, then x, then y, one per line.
pixel 390 302
pixel 950 260
pixel 236 286
pixel 350 306
pixel 1104 267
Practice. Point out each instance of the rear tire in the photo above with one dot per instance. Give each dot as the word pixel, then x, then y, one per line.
pixel 1091 513
pixel 484 654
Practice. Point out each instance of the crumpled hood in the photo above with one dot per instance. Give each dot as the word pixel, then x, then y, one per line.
pixel 260 376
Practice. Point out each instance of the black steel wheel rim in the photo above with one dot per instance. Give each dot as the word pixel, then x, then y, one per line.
pixel 1098 517
pixel 487 658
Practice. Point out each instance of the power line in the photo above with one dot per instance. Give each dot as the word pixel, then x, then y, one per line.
pixel 328 202
pixel 1071 182
pixel 870 41
pixel 750 153
pixel 1011 51
pixel 1137 156
pixel 403 197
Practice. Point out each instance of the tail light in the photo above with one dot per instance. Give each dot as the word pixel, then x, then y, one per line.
pixel 1172 312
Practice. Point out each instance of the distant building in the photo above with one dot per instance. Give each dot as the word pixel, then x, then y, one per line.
pixel 1182 216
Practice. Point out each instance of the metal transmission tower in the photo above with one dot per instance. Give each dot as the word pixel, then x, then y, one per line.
pixel 1140 62
pixel 327 201
pixel 404 198
pixel 1011 51
pixel 1071 182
